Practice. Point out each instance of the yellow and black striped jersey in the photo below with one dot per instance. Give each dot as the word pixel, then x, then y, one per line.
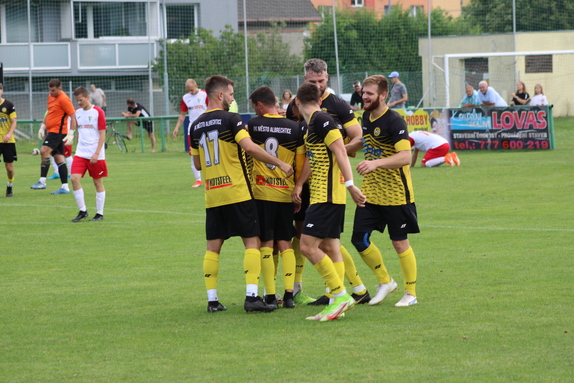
pixel 282 138
pixel 337 108
pixel 215 139
pixel 7 113
pixel 326 184
pixel 382 138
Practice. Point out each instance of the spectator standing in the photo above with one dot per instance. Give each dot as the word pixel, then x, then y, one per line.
pixel 286 98
pixel 8 143
pixel 399 94
pixel 138 110
pixel 356 98
pixel 488 96
pixel 98 97
pixel 193 103
pixel 521 97
pixel 539 97
pixel 470 99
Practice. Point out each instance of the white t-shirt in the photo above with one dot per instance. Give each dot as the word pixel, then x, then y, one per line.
pixel 425 141
pixel 491 96
pixel 539 99
pixel 194 105
pixel 90 122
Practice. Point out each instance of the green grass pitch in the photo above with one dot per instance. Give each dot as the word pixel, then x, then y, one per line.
pixel 123 300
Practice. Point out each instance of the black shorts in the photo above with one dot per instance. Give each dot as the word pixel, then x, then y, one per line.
pixel 147 125
pixel 8 151
pixel 235 220
pixel 401 220
pixel 305 199
pixel 275 220
pixel 55 141
pixel 324 220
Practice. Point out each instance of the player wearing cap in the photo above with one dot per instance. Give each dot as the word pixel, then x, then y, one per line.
pixel 398 92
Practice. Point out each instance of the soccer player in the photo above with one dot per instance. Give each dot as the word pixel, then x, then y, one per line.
pixel 389 190
pixel 90 153
pixel 316 73
pixel 60 107
pixel 281 138
pixel 8 143
pixel 330 173
pixel 194 102
pixel 138 110
pixel 436 148
pixel 219 144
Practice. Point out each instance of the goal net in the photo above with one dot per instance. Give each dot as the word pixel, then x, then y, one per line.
pixel 502 70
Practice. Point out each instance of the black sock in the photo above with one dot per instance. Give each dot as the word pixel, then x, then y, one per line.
pixel 213 303
pixel 288 295
pixel 44 167
pixel 63 170
pixel 251 299
pixel 270 298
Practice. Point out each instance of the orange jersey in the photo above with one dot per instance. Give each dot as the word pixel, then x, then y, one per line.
pixel 59 109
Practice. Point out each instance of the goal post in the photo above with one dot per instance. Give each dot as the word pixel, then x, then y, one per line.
pixel 551 69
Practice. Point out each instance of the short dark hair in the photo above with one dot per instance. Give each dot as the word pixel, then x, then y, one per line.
pixel 379 80
pixel 131 101
pixel 217 83
pixel 308 93
pixel 263 94
pixel 55 83
pixel 81 91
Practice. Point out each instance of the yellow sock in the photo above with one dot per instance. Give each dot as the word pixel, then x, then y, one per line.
pixel 374 259
pixel 252 266
pixel 11 179
pixel 340 267
pixel 299 260
pixel 288 268
pixel 326 269
pixel 409 268
pixel 351 270
pixel 268 270
pixel 276 262
pixel 210 270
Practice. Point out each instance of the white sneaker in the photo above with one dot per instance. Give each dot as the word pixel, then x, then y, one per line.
pixel 407 300
pixel 382 291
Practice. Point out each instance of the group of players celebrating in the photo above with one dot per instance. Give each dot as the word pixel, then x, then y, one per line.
pixel 296 169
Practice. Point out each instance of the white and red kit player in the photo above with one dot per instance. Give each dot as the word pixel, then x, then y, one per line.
pixel 193 103
pixel 436 148
pixel 90 153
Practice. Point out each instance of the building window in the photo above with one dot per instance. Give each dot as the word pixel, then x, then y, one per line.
pixel 14 21
pixel 539 64
pixel 357 3
pixel 417 10
pixel 95 20
pixel 180 20
pixel 325 10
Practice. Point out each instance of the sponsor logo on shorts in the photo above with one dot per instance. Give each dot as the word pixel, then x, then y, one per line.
pixel 310 225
